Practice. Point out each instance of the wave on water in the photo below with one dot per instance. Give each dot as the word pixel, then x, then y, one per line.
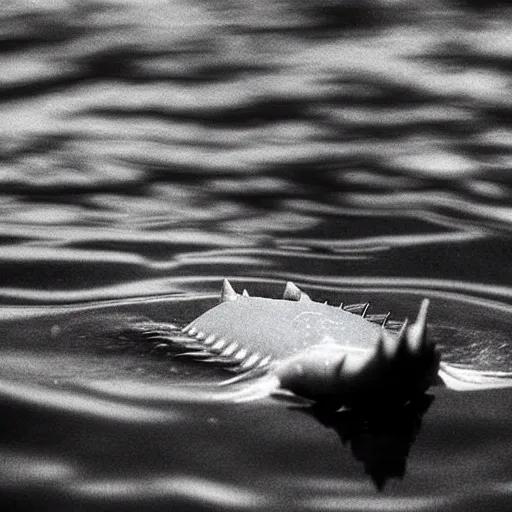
pixel 149 150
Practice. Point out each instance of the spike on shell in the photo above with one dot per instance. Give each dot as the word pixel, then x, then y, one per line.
pixel 401 339
pixel 416 333
pixel 227 293
pixel 229 350
pixel 292 292
pixel 338 356
pixel 388 344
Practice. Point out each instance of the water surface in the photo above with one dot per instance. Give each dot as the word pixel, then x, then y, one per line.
pixel 148 150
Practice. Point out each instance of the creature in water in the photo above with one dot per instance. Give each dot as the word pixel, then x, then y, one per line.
pixel 332 356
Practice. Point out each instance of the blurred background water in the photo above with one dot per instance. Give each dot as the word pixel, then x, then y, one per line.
pixel 149 149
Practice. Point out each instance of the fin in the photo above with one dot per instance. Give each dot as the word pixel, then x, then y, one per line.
pixel 417 332
pixel 227 293
pixel 245 293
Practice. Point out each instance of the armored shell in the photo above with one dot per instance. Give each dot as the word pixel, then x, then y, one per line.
pixel 335 356
pixel 280 328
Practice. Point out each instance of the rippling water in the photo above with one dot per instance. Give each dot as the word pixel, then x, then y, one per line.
pixel 148 150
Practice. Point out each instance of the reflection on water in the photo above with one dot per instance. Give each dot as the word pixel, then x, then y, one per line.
pixel 147 150
pixel 381 441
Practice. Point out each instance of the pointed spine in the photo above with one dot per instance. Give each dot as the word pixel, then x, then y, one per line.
pixel 357 309
pixel 417 332
pixel 240 355
pixel 210 340
pixel 378 319
pixel 227 293
pixel 230 350
pixel 392 346
pixel 218 346
pixel 250 362
pixel 292 292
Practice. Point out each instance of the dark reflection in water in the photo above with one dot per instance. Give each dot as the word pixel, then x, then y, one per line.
pixel 147 150
pixel 380 440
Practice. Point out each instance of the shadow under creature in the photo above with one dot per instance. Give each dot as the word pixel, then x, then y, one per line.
pixel 380 439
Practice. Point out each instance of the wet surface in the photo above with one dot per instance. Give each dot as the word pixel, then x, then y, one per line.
pixel 147 151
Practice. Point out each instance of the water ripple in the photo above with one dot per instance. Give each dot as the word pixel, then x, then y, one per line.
pixel 58 400
pixel 149 150
pixel 180 489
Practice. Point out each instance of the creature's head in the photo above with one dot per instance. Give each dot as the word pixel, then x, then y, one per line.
pixel 399 368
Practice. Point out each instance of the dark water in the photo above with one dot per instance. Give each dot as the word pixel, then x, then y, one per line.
pixel 148 150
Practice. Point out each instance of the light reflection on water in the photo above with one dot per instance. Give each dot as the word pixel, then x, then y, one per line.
pixel 149 151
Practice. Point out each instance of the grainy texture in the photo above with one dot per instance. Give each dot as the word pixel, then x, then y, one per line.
pixel 150 149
